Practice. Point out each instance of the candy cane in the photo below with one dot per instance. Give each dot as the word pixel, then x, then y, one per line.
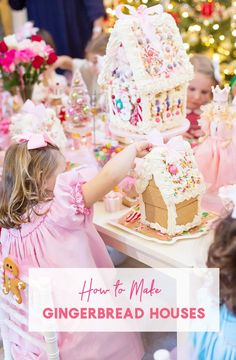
pixel 135 215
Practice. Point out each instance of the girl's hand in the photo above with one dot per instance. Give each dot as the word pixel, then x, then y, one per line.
pixel 114 171
pixel 143 148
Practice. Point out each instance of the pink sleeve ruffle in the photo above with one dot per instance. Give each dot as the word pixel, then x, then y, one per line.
pixel 68 208
pixel 78 200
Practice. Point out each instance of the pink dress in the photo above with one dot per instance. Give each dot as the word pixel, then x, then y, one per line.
pixel 194 129
pixel 216 155
pixel 193 118
pixel 66 237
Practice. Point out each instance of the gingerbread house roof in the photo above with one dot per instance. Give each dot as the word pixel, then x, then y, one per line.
pixel 147 47
pixel 174 170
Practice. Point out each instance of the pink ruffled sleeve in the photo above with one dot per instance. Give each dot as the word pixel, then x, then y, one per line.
pixel 68 207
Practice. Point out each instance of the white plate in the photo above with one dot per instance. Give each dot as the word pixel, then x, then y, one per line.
pixel 166 134
pixel 204 229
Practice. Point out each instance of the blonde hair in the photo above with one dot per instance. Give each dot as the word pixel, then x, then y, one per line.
pixel 24 175
pixel 98 45
pixel 204 65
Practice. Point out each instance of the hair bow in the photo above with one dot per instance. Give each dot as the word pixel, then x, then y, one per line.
pixel 229 193
pixel 35 141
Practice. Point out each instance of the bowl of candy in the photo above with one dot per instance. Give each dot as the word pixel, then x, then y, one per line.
pixel 103 153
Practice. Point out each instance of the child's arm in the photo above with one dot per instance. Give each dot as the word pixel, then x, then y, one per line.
pixel 113 172
pixel 63 62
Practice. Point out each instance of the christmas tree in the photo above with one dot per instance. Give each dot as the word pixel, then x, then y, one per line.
pixel 78 110
pixel 207 26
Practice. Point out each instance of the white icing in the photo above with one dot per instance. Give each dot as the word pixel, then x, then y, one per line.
pixel 128 74
pixel 186 184
pixel 133 200
pixel 29 122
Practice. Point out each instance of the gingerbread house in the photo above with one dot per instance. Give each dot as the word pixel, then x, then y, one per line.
pixel 170 188
pixel 146 72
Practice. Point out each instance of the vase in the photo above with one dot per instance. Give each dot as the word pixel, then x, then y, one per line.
pixel 26 92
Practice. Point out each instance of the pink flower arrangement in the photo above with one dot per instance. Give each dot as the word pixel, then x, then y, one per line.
pixel 22 62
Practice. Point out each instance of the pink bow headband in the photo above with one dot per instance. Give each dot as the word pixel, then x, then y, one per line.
pixel 34 141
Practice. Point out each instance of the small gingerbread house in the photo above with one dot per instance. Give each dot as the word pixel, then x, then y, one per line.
pixel 170 187
pixel 146 72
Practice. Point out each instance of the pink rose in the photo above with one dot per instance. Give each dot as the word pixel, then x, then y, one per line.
pixel 7 61
pixel 9 68
pixel 25 55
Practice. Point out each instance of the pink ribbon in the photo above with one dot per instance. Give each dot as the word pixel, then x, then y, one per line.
pixel 175 147
pixel 141 12
pixel 144 14
pixel 35 141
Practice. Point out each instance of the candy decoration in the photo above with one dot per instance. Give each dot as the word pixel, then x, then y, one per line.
pixel 119 105
pixel 158 106
pixel 167 103
pixel 158 118
pixel 137 113
pixel 133 216
pixel 173 170
pixel 113 104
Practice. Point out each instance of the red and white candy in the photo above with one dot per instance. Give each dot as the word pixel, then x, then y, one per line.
pixel 133 216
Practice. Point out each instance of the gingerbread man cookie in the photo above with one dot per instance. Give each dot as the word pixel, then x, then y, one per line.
pixel 11 283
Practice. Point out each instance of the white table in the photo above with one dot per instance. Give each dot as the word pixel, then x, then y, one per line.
pixel 185 253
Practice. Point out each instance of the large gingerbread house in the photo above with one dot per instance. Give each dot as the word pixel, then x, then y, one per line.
pixel 146 72
pixel 170 188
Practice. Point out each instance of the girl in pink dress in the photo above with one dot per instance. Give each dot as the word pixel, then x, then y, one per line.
pixel 216 154
pixel 46 216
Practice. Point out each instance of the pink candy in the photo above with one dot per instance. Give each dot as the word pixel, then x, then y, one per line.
pixel 173 170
